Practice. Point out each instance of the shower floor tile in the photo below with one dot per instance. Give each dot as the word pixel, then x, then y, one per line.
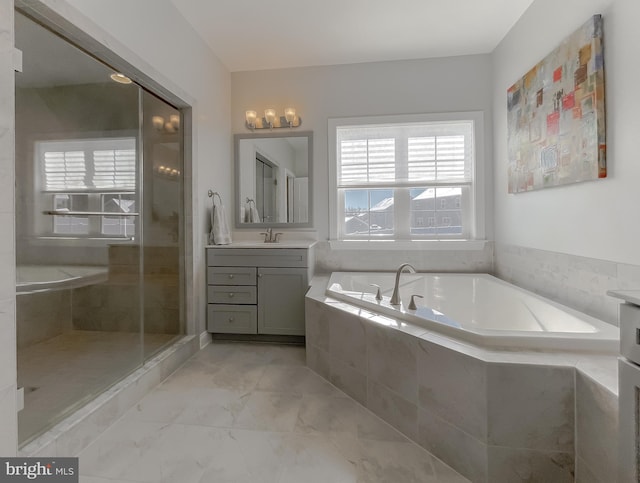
pixel 254 413
pixel 66 371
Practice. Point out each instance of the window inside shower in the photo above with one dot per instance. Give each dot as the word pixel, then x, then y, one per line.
pixel 99 227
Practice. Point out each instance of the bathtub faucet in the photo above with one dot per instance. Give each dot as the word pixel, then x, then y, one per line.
pixel 395 298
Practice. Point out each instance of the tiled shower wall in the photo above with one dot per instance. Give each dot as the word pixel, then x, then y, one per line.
pixel 8 419
pixel 578 282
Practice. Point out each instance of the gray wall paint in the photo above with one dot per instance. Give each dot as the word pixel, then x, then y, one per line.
pixel 372 89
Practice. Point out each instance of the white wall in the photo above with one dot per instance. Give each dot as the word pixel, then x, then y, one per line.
pixel 8 416
pixel 402 87
pixel 154 37
pixel 595 219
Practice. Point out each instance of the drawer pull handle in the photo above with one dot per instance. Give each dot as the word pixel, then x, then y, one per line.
pixel 231 294
pixel 231 319
pixel 231 275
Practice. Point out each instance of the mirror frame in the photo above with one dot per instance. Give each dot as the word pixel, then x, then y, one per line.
pixel 271 135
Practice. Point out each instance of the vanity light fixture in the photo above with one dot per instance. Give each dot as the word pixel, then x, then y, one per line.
pixel 271 120
pixel 170 125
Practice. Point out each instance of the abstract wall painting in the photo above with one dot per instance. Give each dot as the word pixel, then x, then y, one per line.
pixel 555 115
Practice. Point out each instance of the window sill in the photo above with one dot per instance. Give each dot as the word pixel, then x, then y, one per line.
pixel 452 245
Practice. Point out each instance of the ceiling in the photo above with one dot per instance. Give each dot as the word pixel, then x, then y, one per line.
pixel 274 34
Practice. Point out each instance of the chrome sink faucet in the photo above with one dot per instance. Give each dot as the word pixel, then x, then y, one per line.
pixel 270 237
pixel 395 297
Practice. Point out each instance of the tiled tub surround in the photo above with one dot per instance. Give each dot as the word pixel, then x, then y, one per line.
pixel 578 282
pixel 477 257
pixel 494 416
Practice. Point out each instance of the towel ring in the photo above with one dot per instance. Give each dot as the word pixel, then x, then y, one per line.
pixel 215 193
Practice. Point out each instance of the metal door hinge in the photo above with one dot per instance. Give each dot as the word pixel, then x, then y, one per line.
pixel 17 60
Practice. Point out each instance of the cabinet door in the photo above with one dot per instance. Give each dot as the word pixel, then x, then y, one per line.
pixel 281 294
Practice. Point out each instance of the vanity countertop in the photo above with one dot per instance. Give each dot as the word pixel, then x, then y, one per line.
pixel 630 296
pixel 259 244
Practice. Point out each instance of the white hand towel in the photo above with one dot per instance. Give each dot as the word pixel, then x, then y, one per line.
pixel 252 213
pixel 220 234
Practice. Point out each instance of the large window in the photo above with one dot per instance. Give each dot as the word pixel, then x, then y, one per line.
pixel 404 180
pixel 88 175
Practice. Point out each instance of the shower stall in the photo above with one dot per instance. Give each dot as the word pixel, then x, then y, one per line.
pixel 99 226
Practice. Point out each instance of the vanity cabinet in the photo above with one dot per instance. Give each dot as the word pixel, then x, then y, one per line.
pixel 257 290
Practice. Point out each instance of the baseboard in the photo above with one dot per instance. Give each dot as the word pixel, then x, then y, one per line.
pixel 272 339
pixel 205 339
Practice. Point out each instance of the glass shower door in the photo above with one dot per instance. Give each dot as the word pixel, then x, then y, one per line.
pixel 162 214
pixel 78 228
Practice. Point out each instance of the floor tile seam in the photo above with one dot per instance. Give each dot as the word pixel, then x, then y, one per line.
pixel 583 462
pixel 435 459
pixel 116 480
pixel 113 427
pixel 393 391
pixel 524 448
pixel 450 424
pixel 333 395
pixel 301 394
pixel 368 410
pixel 236 428
pixel 431 411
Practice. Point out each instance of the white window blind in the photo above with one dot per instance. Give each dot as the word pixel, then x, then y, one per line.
pixel 88 165
pixel 438 158
pixel 64 170
pixel 114 169
pixel 435 153
pixel 367 161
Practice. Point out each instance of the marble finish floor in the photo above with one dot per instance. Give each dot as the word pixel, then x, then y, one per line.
pixel 254 413
pixel 64 372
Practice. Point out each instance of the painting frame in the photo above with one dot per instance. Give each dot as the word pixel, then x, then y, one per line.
pixel 556 115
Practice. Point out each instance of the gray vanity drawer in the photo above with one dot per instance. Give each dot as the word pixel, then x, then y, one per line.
pixel 232 319
pixel 258 257
pixel 231 294
pixel 231 275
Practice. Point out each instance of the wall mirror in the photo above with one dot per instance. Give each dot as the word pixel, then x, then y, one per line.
pixel 273 174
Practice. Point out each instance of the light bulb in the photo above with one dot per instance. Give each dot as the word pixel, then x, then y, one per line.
pixel 251 117
pixel 290 115
pixel 270 116
pixel 174 119
pixel 158 122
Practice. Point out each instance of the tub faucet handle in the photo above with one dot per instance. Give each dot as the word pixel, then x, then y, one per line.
pixel 378 293
pixel 412 304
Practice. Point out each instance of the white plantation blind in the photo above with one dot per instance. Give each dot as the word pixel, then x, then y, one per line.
pixel 438 158
pixel 395 155
pixel 367 161
pixel 64 170
pixel 88 165
pixel 114 168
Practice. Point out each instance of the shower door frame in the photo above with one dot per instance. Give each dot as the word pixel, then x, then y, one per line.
pixel 154 83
